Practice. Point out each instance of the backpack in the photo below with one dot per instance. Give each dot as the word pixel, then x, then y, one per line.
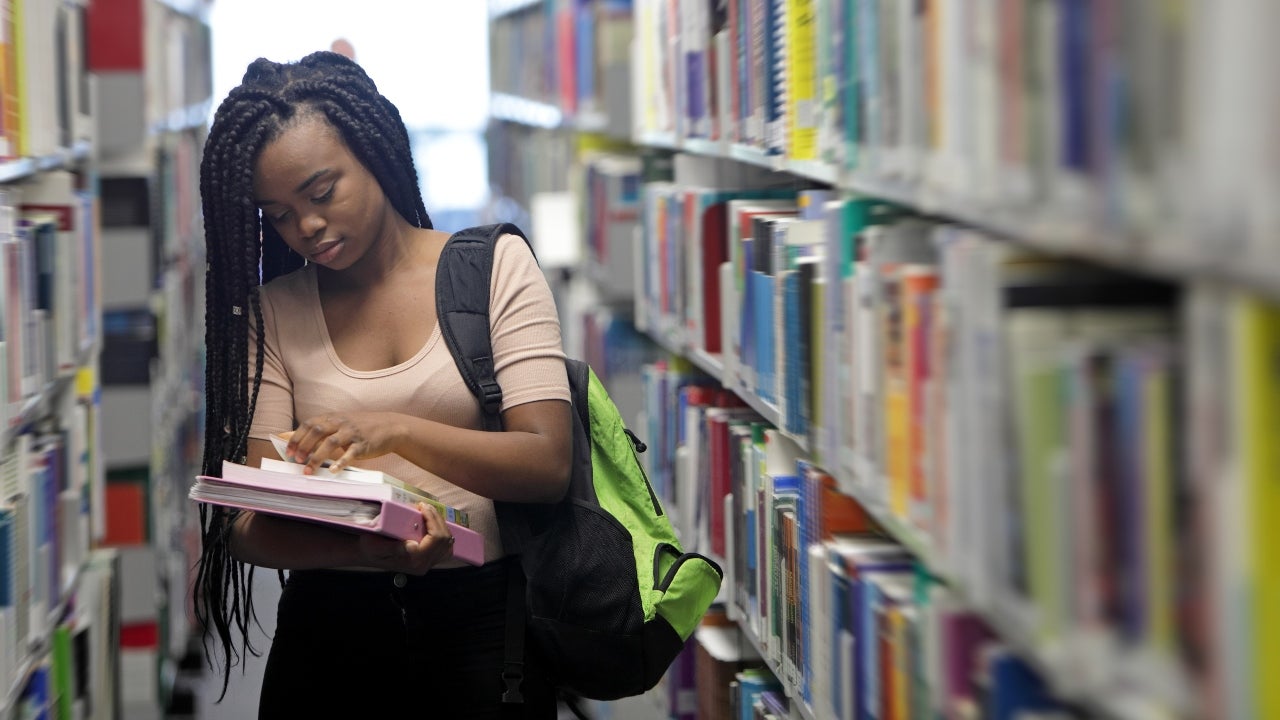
pixel 609 596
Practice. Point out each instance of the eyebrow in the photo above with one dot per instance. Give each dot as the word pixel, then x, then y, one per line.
pixel 301 186
pixel 307 183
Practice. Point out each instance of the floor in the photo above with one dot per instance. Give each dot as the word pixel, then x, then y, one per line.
pixel 242 696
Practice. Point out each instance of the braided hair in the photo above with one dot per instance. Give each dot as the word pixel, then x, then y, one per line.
pixel 243 252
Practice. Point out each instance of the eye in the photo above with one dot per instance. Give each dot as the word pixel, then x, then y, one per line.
pixel 277 219
pixel 324 198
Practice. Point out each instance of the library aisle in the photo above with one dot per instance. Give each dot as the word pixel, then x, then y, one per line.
pixel 242 698
pixel 951 328
pixel 246 681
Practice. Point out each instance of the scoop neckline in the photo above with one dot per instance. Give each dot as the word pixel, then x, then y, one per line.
pixel 317 314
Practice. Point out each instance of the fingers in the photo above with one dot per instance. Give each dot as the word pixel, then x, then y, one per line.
pixel 410 556
pixel 327 448
pixel 435 524
pixel 321 439
pixel 438 540
pixel 344 462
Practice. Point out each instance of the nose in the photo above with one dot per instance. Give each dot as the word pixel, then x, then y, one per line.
pixel 311 224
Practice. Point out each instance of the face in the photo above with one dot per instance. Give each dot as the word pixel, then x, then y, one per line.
pixel 324 203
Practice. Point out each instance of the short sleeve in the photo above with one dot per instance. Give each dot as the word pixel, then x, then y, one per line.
pixel 274 411
pixel 528 354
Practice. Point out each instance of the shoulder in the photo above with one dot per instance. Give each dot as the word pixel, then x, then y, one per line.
pixel 513 259
pixel 511 246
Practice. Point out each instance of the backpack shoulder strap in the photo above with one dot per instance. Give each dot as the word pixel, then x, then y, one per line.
pixel 463 277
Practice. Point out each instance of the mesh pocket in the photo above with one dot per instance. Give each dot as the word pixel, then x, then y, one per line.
pixel 582 573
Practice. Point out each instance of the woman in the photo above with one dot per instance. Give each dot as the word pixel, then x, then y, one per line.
pixel 307 170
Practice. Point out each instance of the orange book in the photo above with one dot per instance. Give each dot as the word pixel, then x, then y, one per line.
pixel 837 512
pixel 919 284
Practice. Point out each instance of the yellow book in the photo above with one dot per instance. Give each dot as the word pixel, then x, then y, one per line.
pixel 1034 338
pixel 803 102
pixel 17 94
pixel 897 412
pixel 899 701
pixel 1159 526
pixel 1258 398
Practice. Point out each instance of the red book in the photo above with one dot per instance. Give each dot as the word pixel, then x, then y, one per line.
pixel 715 251
pixel 719 419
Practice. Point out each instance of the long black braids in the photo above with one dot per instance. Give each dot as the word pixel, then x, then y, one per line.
pixel 243 253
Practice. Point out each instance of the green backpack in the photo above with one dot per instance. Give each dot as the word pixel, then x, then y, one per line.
pixel 607 592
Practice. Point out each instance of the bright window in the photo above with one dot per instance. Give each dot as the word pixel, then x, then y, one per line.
pixel 429 57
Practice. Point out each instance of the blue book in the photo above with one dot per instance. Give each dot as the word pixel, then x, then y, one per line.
pixel 7 544
pixel 762 299
pixel 776 76
pixel 751 685
pixel 848 559
pixel 1131 514
pixel 1015 688
pixel 868 64
pixel 1076 77
pixel 585 50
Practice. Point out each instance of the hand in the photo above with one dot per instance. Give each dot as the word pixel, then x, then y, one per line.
pixel 342 438
pixel 408 556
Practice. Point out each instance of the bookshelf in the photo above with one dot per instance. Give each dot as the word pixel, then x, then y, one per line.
pixel 565 170
pixel 1045 209
pixel 58 613
pixel 943 150
pixel 152 59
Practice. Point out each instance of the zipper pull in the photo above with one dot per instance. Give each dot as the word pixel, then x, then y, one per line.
pixel 640 446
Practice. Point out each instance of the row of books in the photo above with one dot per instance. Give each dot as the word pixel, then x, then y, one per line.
pixel 49 480
pixel 523 161
pixel 75 675
pixel 844 619
pixel 1042 429
pixel 49 289
pixel 611 215
pixel 46 93
pixel 1093 115
pixel 574 54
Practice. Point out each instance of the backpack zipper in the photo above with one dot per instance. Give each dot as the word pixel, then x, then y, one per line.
pixel 638 447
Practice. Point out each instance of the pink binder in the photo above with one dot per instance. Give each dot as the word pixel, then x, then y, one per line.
pixel 362 507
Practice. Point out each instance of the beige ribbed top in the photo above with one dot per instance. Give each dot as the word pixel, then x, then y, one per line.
pixel 303 376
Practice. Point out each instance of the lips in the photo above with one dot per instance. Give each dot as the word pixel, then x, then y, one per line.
pixel 326 251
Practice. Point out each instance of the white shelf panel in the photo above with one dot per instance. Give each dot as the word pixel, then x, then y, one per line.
pixel 524 111
pixel 1034 226
pixel 498 8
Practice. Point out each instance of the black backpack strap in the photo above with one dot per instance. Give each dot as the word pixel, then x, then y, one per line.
pixel 464 276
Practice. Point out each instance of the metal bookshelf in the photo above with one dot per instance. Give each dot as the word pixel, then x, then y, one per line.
pixel 16 169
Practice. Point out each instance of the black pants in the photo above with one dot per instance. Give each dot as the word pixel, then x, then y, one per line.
pixel 351 644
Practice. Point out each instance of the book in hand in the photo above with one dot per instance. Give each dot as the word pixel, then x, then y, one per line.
pixel 385 508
